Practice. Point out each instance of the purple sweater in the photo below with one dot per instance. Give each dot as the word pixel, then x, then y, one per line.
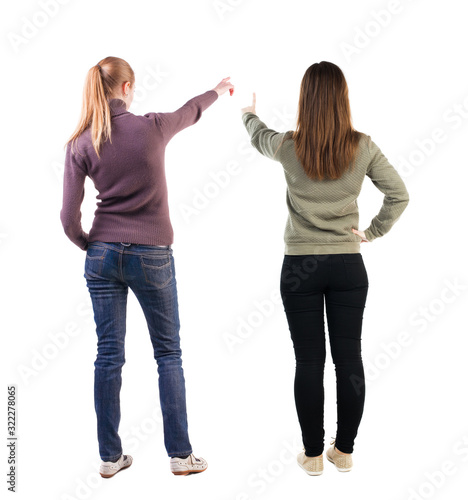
pixel 129 176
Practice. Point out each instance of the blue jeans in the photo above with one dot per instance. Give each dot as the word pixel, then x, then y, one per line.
pixel 111 268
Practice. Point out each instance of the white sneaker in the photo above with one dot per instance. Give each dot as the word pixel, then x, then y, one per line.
pixel 189 465
pixel 108 469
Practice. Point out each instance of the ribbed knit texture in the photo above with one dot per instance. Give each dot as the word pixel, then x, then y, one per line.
pixel 322 213
pixel 129 176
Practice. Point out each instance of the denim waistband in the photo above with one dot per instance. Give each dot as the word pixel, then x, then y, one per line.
pixel 143 245
pixel 122 245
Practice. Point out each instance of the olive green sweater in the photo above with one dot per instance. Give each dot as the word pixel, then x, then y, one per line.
pixel 322 213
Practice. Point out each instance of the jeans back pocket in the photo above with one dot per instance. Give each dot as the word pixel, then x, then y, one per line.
pixel 95 254
pixel 157 269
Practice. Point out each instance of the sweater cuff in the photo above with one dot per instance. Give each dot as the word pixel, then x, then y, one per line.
pixel 369 236
pixel 84 241
pixel 245 115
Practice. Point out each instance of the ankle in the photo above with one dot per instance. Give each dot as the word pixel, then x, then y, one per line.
pixel 340 452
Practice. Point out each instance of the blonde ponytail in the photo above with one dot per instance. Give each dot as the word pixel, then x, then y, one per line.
pixel 103 81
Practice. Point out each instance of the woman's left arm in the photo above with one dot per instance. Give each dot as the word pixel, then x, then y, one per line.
pixel 73 193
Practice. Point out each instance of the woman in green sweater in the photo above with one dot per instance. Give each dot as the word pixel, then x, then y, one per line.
pixel 325 161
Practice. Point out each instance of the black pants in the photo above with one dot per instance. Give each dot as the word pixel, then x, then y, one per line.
pixel 341 281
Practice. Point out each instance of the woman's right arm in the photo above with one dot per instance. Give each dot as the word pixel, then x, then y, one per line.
pixel 73 193
pixel 188 114
pixel 388 181
pixel 191 111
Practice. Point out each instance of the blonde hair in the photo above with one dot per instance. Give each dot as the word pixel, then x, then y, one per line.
pixel 102 82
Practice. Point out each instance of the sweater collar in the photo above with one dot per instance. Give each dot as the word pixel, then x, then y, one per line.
pixel 117 107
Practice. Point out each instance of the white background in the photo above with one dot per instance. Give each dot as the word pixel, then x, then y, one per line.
pixel 406 81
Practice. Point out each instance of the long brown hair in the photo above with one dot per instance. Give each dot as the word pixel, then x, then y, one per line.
pixel 325 140
pixel 102 82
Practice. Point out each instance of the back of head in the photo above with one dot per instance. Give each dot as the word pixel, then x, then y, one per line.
pixel 103 81
pixel 325 140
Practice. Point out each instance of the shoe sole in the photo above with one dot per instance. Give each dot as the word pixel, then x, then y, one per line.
pixel 107 476
pixel 338 468
pixel 187 472
pixel 311 473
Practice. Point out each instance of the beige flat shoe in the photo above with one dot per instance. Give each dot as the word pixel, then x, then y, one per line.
pixel 344 463
pixel 312 465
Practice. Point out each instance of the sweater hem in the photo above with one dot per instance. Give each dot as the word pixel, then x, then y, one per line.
pixel 322 248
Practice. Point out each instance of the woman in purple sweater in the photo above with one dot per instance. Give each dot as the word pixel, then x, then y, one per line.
pixel 129 245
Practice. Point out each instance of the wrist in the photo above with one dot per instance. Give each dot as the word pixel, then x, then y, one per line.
pixel 368 235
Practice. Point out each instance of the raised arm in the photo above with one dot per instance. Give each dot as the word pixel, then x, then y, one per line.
pixel 188 114
pixel 73 193
pixel 388 181
pixel 264 139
